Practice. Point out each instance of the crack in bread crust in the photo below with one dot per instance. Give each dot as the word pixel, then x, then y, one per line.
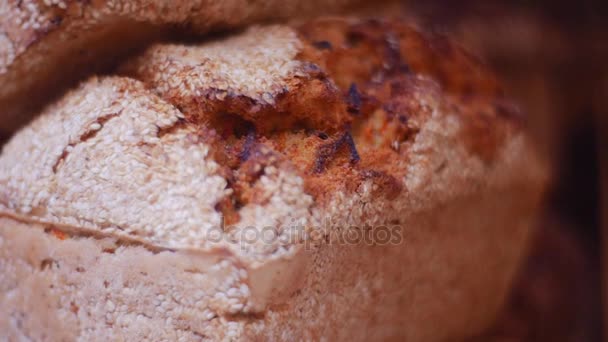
pixel 93 129
pixel 371 55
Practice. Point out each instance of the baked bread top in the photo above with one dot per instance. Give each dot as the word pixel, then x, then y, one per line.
pixel 285 132
pixel 46 45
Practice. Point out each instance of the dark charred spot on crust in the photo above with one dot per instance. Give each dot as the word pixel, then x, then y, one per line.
pixel 324 154
pixel 350 143
pixel 322 135
pixel 353 98
pixel 393 60
pixel 354 38
pixel 400 111
pixel 369 103
pixel 245 187
pixel 229 125
pixel 244 156
pixel 56 20
pixel 322 45
pixel 328 151
pixel 248 145
pixel 313 70
pixel 47 263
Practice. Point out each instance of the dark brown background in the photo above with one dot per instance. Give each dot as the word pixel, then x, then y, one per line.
pixel 552 56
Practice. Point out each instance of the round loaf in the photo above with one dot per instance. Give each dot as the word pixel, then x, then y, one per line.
pixel 340 179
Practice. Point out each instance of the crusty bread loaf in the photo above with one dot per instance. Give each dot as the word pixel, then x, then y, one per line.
pixel 338 179
pixel 46 45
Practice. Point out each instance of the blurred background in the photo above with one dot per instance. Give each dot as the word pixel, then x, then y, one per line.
pixel 552 57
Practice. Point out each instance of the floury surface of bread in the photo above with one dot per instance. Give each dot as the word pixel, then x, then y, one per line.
pixel 299 135
pixel 46 45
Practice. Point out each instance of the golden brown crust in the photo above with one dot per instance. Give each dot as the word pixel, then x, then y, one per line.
pixel 271 132
pixel 255 76
pixel 276 102
pixel 381 104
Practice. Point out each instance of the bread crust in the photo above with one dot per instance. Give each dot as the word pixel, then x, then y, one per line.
pixel 259 123
pixel 48 45
pixel 463 252
pixel 184 143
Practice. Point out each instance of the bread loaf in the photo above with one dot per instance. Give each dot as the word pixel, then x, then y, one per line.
pixel 339 179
